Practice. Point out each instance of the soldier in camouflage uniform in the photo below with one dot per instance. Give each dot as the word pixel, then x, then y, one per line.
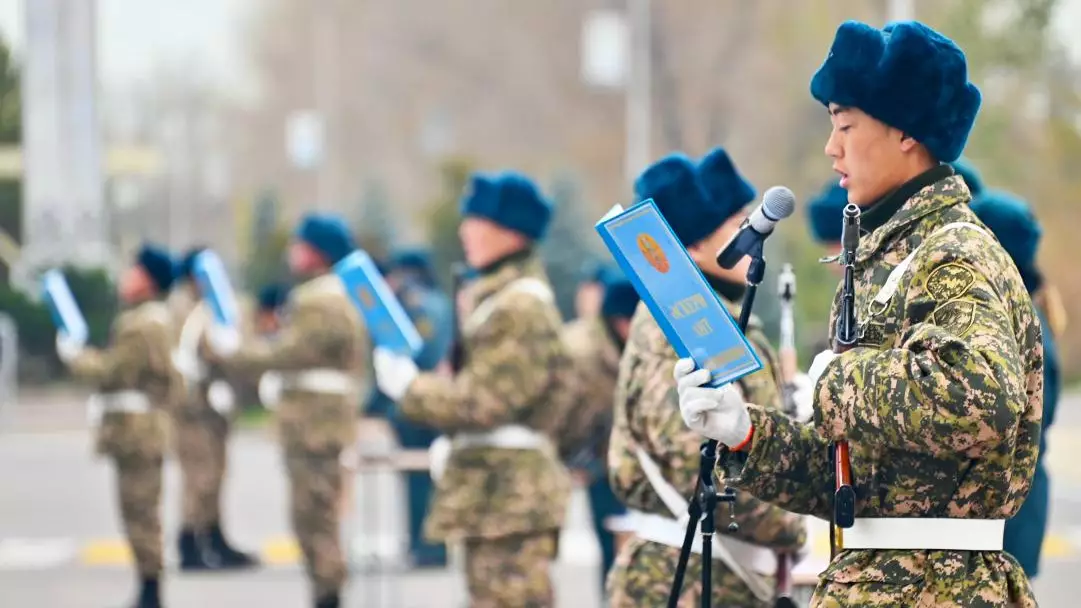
pixel 202 421
pixel 590 292
pixel 704 205
pixel 1012 221
pixel 941 400
pixel 504 491
pixel 135 384
pixel 319 363
pixel 595 344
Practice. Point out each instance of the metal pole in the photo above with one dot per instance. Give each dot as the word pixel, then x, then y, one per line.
pixel 9 359
pixel 639 90
pixel 900 10
pixel 323 74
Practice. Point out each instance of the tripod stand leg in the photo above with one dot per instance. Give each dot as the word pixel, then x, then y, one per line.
pixel 694 511
pixel 706 600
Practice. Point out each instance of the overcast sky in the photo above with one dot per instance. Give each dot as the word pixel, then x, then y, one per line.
pixel 136 34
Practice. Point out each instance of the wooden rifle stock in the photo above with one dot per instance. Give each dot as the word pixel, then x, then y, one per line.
pixel 845 337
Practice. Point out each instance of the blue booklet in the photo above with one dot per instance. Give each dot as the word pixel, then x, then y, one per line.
pixel 388 323
pixel 62 305
pixel 213 281
pixel 687 309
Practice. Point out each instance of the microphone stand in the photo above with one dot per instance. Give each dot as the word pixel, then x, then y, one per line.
pixel 704 504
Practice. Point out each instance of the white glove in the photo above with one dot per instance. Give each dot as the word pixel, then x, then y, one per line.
pixel 819 365
pixel 717 413
pixel 67 348
pixel 393 373
pixel 270 389
pixel 224 340
pixel 438 455
pixel 220 396
pixel 188 365
pixel 804 397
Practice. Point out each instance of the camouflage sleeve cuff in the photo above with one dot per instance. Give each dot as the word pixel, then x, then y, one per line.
pixel 787 464
pixel 835 388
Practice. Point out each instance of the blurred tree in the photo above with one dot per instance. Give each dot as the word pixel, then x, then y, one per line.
pixel 442 218
pixel 374 222
pixel 10 134
pixel 266 252
pixel 570 243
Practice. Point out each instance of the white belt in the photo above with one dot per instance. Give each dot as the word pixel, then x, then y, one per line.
pixel 327 381
pixel 929 534
pixel 670 532
pixel 133 402
pixel 509 437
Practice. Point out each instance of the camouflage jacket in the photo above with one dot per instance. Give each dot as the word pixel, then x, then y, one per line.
pixel 514 363
pixel 941 402
pixel 647 417
pixel 322 334
pixel 137 359
pixel 595 354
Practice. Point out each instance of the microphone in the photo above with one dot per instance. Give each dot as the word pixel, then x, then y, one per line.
pixel 777 203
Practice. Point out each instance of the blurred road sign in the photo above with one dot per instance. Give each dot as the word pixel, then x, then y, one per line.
pixel 605 49
pixel 304 138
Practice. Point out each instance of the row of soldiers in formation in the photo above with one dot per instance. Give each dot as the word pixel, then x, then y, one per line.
pixel 942 399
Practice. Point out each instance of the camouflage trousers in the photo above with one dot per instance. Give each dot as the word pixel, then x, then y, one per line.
pixel 138 483
pixel 511 572
pixel 643 576
pixel 315 493
pixel 201 437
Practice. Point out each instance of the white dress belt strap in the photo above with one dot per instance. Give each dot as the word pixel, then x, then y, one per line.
pixel 320 380
pixel 925 533
pixel 507 437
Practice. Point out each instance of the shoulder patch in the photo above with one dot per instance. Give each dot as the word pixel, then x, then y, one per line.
pixel 958 315
pixel 950 281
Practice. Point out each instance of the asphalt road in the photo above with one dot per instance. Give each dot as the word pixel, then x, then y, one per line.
pixel 61 546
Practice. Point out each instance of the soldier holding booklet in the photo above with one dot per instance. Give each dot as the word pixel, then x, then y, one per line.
pixel 135 384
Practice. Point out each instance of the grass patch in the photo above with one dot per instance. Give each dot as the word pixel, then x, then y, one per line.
pixel 253 417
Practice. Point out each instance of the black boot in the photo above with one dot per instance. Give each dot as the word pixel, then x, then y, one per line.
pixel 328 601
pixel 230 557
pixel 196 552
pixel 149 594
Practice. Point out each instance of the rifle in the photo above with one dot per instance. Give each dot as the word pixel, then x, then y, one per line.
pixel 786 290
pixel 845 336
pixel 457 353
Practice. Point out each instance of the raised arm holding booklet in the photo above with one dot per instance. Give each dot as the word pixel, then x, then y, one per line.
pixel 65 311
pixel 389 325
pixel 683 304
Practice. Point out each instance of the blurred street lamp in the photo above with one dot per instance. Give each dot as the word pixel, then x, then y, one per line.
pixel 616 54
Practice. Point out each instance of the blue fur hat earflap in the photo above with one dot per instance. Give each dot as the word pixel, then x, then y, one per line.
pixel 674 186
pixel 1012 221
pixel 724 186
pixel 158 264
pixel 273 297
pixel 511 200
pixel 620 297
pixel 906 75
pixel 824 212
pixel 968 173
pixel 327 234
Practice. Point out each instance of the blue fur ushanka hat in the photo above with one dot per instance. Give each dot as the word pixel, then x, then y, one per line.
pixel 596 272
pixel 674 185
pixel 968 173
pixel 158 264
pixel 1012 221
pixel 511 200
pixel 620 297
pixel 327 234
pixel 725 187
pixel 906 75
pixel 824 212
pixel 273 296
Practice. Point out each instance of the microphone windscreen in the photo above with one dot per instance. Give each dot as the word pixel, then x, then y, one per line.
pixel 778 203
